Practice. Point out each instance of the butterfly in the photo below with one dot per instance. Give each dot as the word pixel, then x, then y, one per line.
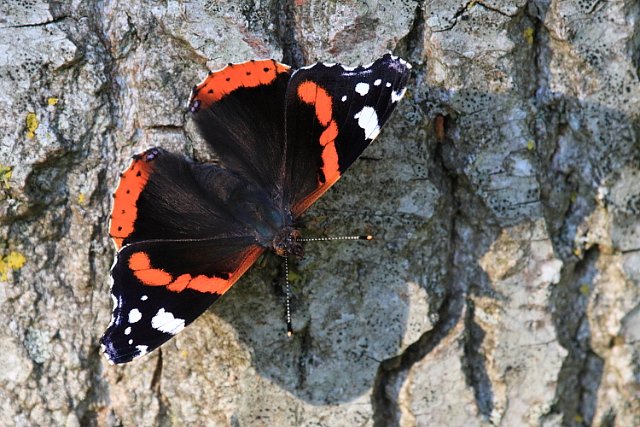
pixel 185 231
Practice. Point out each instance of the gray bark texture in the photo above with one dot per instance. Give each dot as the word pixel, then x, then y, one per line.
pixel 504 194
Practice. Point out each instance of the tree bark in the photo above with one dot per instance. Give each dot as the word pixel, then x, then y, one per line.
pixel 504 195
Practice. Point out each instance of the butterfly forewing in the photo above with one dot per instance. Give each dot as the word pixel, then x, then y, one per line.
pixel 332 114
pixel 159 287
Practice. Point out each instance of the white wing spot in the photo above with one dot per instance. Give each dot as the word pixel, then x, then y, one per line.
pixel 344 98
pixel 405 63
pixel 164 321
pixel 128 330
pixel 362 88
pixel 397 96
pixel 368 121
pixel 144 298
pixel 377 82
pixel 130 342
pixel 113 265
pixel 113 311
pixel 103 349
pixel 134 315
pixel 388 84
pixel 142 350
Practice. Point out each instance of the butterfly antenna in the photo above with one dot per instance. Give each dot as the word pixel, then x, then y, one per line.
pixel 286 271
pixel 288 296
pixel 324 239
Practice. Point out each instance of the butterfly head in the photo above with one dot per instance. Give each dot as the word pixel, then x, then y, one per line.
pixel 286 243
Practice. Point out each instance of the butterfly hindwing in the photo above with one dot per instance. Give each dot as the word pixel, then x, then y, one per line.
pixel 159 287
pixel 239 111
pixel 166 196
pixel 332 114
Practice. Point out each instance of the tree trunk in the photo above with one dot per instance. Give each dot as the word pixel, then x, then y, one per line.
pixel 504 195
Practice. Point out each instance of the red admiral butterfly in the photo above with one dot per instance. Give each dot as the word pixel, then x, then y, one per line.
pixel 185 231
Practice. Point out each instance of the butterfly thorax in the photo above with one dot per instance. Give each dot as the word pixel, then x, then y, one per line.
pixel 285 243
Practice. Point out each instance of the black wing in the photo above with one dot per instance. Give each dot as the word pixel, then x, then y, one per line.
pixel 159 287
pixel 332 114
pixel 165 196
pixel 239 111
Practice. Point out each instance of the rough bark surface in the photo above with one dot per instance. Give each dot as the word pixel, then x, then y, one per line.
pixel 502 288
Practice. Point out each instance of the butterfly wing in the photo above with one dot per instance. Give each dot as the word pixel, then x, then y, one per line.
pixel 164 196
pixel 239 110
pixel 332 114
pixel 185 233
pixel 159 287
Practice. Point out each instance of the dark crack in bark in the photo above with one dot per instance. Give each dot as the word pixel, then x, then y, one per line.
pixel 284 15
pixel 492 9
pixel 456 16
pixel 581 372
pixel 157 374
pixel 55 20
pixel 412 44
pixel 475 364
pixel 393 372
pixel 164 404
pixel 304 338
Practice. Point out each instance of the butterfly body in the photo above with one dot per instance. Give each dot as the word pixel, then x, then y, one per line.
pixel 185 231
pixel 285 243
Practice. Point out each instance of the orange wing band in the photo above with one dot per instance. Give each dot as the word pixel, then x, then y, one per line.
pixel 313 94
pixel 140 265
pixel 246 74
pixel 124 212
